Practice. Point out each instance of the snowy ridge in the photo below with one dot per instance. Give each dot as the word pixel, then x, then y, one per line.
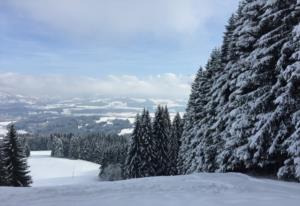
pixel 57 184
pixel 197 189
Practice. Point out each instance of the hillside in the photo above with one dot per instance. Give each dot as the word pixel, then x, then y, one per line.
pixel 61 189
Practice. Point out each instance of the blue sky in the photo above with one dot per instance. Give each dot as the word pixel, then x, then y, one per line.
pixel 100 39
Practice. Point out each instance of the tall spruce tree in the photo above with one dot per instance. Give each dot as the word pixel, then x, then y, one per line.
pixel 161 136
pixel 141 159
pixel 57 147
pixel 147 149
pixel 195 112
pixel 227 40
pixel 210 142
pixel 15 160
pixel 174 144
pixel 133 160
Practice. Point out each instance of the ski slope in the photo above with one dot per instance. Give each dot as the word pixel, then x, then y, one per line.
pixel 83 188
pixel 50 171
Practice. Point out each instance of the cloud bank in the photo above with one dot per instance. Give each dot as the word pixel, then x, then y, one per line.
pixel 166 85
pixel 97 17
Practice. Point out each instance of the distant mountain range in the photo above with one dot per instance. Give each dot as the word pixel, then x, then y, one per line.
pixel 78 115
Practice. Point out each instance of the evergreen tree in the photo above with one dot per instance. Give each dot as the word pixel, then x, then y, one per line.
pixel 74 149
pixel 140 161
pixel 15 161
pixel 57 147
pixel 227 40
pixel 147 149
pixel 27 150
pixel 195 112
pixel 133 160
pixel 161 136
pixel 174 144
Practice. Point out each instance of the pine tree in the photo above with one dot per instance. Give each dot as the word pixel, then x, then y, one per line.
pixel 228 39
pixel 161 136
pixel 15 162
pixel 133 160
pixel 27 150
pixel 57 147
pixel 208 138
pixel 146 145
pixel 195 112
pixel 174 144
pixel 74 149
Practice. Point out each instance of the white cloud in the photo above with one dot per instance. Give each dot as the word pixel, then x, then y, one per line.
pixel 119 17
pixel 159 86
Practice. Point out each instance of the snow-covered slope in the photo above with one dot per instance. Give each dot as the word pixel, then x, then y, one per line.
pixel 49 171
pixel 197 189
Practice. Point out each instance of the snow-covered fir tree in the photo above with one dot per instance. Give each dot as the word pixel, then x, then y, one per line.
pixel 185 150
pixel 247 115
pixel 15 163
pixel 174 143
pixel 74 149
pixel 27 150
pixel 161 136
pixel 141 160
pixel 133 160
pixel 57 147
pixel 146 144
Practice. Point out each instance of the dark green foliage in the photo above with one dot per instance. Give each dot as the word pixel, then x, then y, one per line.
pixel 133 160
pixel 174 144
pixel 141 161
pixel 161 136
pixel 15 163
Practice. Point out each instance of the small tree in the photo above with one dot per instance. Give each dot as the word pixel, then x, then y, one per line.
pixel 57 148
pixel 74 149
pixel 27 150
pixel 15 161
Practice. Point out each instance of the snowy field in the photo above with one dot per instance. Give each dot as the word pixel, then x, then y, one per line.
pixel 50 171
pixel 62 182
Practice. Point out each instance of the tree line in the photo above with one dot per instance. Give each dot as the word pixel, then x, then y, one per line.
pixel 154 145
pixel 243 113
pixel 152 149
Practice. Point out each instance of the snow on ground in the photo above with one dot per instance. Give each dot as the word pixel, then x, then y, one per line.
pixel 49 171
pixel 110 119
pixel 197 189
